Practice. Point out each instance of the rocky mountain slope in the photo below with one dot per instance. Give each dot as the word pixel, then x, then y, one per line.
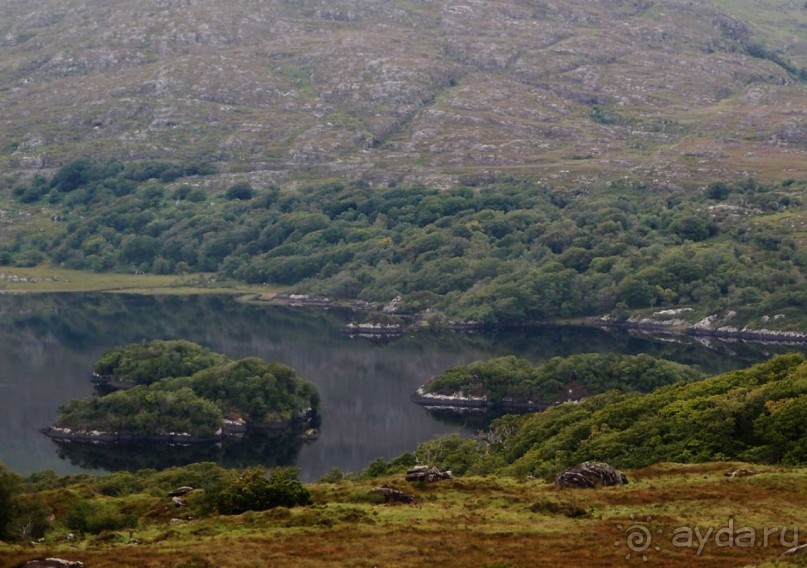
pixel 673 92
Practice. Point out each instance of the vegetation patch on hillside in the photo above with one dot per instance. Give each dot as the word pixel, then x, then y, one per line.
pixel 129 519
pixel 753 415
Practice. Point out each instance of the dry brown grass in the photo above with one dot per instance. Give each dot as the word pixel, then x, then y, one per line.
pixel 474 522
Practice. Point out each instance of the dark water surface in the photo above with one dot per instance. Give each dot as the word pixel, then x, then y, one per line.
pixel 48 344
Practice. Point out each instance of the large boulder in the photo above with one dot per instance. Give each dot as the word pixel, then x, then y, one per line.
pixel 590 474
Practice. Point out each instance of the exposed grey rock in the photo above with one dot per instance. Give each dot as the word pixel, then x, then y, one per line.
pixel 740 473
pixel 179 491
pixel 53 563
pixel 795 551
pixel 393 495
pixel 590 474
pixel 427 474
pixel 179 502
pixel 427 87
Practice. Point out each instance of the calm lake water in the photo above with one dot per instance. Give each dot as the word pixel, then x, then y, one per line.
pixel 48 344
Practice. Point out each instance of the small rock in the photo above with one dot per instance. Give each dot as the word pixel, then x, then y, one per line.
pixel 393 495
pixel 590 474
pixel 740 473
pixel 53 563
pixel 179 491
pixel 178 502
pixel 795 551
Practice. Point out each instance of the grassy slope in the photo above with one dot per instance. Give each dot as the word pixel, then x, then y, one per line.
pixel 51 279
pixel 463 522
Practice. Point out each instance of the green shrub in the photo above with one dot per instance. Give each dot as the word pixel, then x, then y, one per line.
pixel 334 475
pixel 29 519
pixel 9 489
pixel 241 191
pixel 94 517
pixel 251 490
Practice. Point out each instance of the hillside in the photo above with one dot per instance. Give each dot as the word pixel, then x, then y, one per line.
pixel 485 522
pixel 491 162
pixel 671 92
pixel 752 415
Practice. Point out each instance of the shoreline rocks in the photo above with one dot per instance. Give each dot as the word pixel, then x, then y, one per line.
pixel 459 400
pixel 764 336
pixel 231 429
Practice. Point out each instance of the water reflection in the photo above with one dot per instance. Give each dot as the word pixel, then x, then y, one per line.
pixel 48 344
pixel 248 451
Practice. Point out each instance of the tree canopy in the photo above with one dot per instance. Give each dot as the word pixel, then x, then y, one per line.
pixel 184 389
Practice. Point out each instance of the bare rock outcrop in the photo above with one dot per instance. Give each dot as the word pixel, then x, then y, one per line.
pixel 393 495
pixel 53 563
pixel 588 475
pixel 427 474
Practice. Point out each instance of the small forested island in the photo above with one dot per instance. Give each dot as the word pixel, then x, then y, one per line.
pixel 510 383
pixel 179 392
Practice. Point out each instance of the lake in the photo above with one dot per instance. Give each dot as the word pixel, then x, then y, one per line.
pixel 49 342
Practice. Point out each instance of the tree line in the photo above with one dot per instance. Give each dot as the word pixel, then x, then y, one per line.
pixel 507 252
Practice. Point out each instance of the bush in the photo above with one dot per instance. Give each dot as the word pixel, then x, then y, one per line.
pixel 29 520
pixel 94 517
pixel 9 488
pixel 196 195
pixel 241 190
pixel 566 508
pixel 253 491
pixel 334 475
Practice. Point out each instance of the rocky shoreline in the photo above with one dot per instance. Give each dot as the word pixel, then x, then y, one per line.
pixel 229 430
pixel 459 401
pixel 722 332
pixel 712 326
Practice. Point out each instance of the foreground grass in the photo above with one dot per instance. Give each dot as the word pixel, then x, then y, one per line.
pixel 469 521
pixel 52 279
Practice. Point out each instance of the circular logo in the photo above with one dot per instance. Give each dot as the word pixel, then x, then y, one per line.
pixel 638 537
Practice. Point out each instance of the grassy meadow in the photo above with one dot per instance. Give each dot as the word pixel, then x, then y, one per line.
pixel 40 279
pixel 467 521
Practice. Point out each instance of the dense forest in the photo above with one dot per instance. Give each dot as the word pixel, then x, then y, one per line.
pixel 184 390
pixel 512 380
pixel 507 252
